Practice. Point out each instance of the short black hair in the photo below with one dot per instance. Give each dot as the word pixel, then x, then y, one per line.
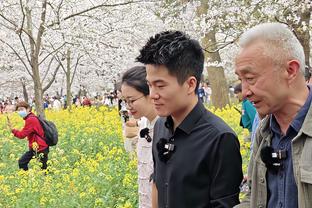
pixel 181 55
pixel 136 78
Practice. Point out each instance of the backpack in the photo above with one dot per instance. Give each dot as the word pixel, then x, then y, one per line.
pixel 50 131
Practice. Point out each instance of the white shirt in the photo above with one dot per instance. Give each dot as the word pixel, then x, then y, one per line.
pixel 145 164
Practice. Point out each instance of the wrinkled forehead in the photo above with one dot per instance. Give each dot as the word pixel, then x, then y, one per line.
pixel 249 56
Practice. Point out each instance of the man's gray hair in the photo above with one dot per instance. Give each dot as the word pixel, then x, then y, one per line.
pixel 281 43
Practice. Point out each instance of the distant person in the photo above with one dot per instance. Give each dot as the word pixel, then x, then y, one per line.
pixel 33 131
pixel 309 77
pixel 86 102
pixel 56 104
pixel 208 93
pixel 201 93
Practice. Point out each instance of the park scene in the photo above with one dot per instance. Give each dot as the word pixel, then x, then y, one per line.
pixel 155 103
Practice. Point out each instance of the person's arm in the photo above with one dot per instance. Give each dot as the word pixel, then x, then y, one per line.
pixel 154 196
pixel 226 172
pixel 28 129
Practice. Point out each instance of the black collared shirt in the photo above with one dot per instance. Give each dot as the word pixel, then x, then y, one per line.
pixel 205 169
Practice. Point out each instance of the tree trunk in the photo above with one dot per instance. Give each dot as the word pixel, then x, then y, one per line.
pixel 68 81
pixel 25 94
pixel 34 56
pixel 216 76
pixel 38 88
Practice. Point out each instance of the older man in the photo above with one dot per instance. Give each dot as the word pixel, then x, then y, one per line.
pixel 271 68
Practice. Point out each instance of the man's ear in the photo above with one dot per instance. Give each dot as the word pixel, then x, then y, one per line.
pixel 191 84
pixel 293 68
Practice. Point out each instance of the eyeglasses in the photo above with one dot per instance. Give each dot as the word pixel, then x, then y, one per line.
pixel 130 102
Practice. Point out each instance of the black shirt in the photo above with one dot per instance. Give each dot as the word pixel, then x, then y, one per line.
pixel 205 166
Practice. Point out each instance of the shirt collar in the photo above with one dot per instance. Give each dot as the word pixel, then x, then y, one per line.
pixel 190 120
pixel 152 123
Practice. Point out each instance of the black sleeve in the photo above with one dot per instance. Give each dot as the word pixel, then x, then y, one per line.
pixel 226 170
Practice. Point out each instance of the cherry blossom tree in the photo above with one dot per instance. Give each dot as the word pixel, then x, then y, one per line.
pixel 40 30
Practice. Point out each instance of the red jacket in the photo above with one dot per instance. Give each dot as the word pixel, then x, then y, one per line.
pixel 32 125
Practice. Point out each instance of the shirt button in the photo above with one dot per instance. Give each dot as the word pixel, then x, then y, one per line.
pixel 281 204
pixel 260 206
pixel 261 181
pixel 166 184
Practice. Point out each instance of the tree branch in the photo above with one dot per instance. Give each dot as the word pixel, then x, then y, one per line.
pixel 52 80
pixel 20 34
pixel 60 62
pixel 76 66
pixel 49 66
pixel 19 57
pixel 15 27
pixel 55 50
pixel 218 48
pixel 41 27
pixel 93 8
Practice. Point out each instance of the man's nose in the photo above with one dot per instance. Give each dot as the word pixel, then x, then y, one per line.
pixel 246 90
pixel 153 93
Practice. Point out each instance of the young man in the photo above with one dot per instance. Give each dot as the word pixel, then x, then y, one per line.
pixel 34 133
pixel 197 162
pixel 271 68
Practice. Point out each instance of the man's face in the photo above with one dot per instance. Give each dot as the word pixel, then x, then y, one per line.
pixel 168 96
pixel 263 82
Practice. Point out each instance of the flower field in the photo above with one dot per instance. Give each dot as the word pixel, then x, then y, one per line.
pixel 88 167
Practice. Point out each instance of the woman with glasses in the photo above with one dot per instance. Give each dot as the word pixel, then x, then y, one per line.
pixel 135 92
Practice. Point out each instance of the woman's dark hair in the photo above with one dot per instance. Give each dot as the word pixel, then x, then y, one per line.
pixel 136 78
pixel 182 55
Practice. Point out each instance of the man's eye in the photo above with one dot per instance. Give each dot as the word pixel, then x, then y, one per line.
pixel 250 79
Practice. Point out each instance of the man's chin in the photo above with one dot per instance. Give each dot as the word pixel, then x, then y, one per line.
pixel 161 113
